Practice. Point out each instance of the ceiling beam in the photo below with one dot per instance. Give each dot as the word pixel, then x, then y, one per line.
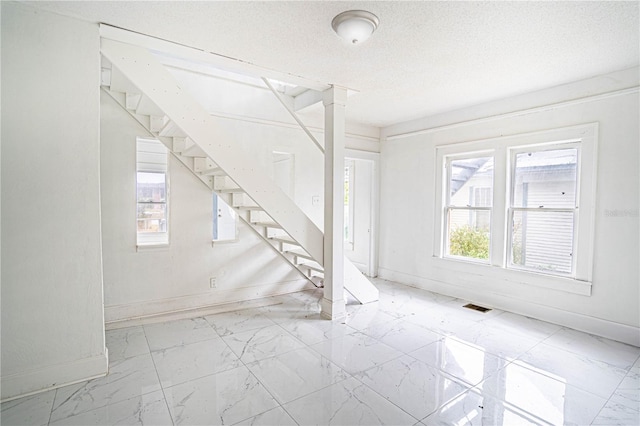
pixel 199 55
pixel 306 98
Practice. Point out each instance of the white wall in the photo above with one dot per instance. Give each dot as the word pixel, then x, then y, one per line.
pixel 408 193
pixel 52 317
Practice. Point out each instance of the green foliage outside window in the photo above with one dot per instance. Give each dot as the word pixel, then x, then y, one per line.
pixel 469 242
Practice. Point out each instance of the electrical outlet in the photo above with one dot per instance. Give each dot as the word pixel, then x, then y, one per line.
pixel 315 200
pixel 212 282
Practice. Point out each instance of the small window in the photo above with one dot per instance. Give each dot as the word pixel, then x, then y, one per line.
pixel 152 191
pixel 468 207
pixel 543 210
pixel 224 220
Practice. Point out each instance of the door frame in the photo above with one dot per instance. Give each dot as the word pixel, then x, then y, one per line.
pixel 374 159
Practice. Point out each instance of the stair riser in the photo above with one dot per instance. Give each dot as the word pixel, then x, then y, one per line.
pixel 223 182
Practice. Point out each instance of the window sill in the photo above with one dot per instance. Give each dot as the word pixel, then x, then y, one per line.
pixel 152 246
pixel 217 242
pixel 514 276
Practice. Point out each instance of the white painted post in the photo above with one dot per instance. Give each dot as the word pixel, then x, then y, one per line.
pixel 333 304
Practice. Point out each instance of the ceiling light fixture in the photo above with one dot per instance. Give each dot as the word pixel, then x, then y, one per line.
pixel 355 26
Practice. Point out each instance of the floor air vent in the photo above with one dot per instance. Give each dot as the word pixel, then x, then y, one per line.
pixel 476 307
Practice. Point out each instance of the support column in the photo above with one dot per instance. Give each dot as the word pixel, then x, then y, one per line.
pixel 333 303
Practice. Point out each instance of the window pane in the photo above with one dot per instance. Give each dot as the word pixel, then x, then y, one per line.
pixel 224 220
pixel 546 179
pixel 542 240
pixel 152 217
pixel 468 233
pixel 151 187
pixel 471 182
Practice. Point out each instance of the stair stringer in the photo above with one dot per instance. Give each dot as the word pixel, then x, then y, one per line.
pixel 155 82
pixel 207 181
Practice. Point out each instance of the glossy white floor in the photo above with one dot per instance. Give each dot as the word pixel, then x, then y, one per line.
pixel 413 358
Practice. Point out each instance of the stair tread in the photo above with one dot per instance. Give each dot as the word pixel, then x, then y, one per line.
pixel 267 224
pixel 230 190
pixel 284 240
pixel 253 208
pixel 314 266
pixel 299 253
pixel 216 171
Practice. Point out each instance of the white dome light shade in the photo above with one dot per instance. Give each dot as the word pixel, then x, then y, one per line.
pixel 355 26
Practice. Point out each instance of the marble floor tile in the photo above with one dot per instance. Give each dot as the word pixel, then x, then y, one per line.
pixel 126 342
pixel 291 308
pixel 183 363
pixel 617 414
pixel 220 399
pixel 412 385
pixel 628 392
pixel 473 408
pixel 366 316
pixel 347 403
pixel 576 370
pixel 595 347
pixel 402 335
pixel 262 343
pixel 551 399
pixel 457 307
pixel 177 333
pixel 442 319
pixel 274 417
pixel 460 360
pixel 509 323
pixel 238 321
pixel 33 410
pixel 356 352
pixel 314 329
pixel 127 378
pixel 296 373
pixel 148 409
pixel 495 342
pixel 414 358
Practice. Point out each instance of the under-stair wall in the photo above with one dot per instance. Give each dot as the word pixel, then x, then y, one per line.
pixel 155 280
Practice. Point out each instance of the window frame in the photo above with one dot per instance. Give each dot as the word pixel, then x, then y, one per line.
pixel 511 208
pixel 153 239
pixel 448 206
pixel 215 200
pixel 503 147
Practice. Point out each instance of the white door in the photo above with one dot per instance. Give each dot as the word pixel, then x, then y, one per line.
pixel 358 191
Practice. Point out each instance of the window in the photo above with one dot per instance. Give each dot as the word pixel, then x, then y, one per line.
pixel 152 192
pixel 543 209
pixel 514 202
pixel 224 220
pixel 349 187
pixel 469 204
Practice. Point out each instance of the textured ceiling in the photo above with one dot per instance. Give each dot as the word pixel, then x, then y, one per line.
pixel 425 58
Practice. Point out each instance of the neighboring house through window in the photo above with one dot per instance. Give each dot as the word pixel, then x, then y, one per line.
pixel 152 191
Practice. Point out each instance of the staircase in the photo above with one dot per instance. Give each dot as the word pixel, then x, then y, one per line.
pixel 143 87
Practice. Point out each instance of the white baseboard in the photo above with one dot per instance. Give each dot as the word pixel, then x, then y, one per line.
pixel 53 376
pixel 132 313
pixel 600 327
